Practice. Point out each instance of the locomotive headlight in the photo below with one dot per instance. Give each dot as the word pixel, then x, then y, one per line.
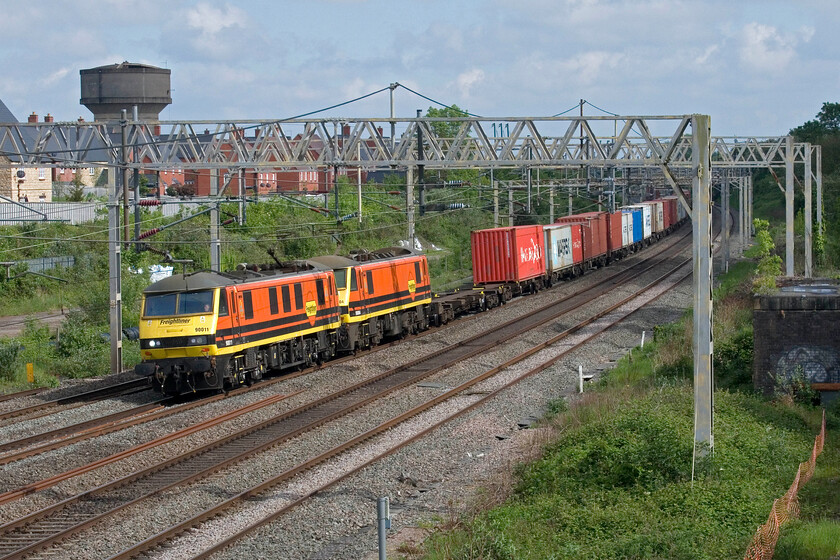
pixel 196 340
pixel 154 343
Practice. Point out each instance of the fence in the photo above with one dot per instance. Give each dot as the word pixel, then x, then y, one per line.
pixel 71 212
pixel 785 508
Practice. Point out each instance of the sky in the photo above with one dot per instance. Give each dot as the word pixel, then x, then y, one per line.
pixel 756 67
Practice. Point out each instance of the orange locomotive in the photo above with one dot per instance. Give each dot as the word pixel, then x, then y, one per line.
pixel 214 331
pixel 210 331
pixel 382 294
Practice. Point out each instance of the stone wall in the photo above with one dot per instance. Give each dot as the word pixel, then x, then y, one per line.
pixel 797 332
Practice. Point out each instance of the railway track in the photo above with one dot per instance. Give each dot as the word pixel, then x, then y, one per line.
pixel 80 399
pixel 46 527
pixel 258 493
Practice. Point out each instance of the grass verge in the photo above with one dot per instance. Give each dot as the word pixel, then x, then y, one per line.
pixel 616 479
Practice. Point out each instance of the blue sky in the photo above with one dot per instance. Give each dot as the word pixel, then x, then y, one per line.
pixel 757 67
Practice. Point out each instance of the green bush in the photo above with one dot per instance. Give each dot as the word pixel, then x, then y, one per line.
pixel 9 363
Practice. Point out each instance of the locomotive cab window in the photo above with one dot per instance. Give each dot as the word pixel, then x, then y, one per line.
pixel 417 271
pixel 354 286
pixel 223 304
pixel 340 278
pixel 287 299
pixel 272 301
pixel 298 296
pixel 369 282
pixel 319 287
pixel 182 303
pixel 248 304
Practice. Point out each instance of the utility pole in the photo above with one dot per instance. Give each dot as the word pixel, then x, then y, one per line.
pixel 392 87
pixel 215 242
pixel 495 203
pixel 809 256
pixel 137 215
pixel 420 167
pixel 409 203
pixel 124 174
pixel 789 206
pixel 724 219
pixel 510 205
pixel 551 204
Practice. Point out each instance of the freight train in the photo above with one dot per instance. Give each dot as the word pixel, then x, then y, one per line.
pixel 213 331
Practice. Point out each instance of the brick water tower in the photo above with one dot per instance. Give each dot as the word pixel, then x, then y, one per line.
pixel 107 90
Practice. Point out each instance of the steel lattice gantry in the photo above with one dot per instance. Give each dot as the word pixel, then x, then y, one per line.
pixel 668 143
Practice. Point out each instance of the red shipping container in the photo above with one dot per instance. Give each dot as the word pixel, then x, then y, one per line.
pixel 671 210
pixel 507 254
pixel 577 243
pixel 614 242
pixel 594 234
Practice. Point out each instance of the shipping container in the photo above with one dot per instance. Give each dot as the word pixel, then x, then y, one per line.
pixel 511 254
pixel 564 246
pixel 673 207
pixel 681 213
pixel 668 213
pixel 638 229
pixel 647 220
pixel 626 229
pixel 614 233
pixel 657 215
pixel 595 233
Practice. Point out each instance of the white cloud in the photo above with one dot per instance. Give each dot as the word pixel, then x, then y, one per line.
pixel 703 58
pixel 764 47
pixel 210 20
pixel 467 80
pixel 54 77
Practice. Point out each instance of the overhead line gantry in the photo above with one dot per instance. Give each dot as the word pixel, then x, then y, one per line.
pixel 676 145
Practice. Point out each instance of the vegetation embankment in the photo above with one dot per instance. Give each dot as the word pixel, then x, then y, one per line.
pixel 616 479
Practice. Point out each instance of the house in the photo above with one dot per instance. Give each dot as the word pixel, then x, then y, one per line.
pixel 18 183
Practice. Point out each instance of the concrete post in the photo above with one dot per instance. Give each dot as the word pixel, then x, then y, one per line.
pixel 115 281
pixel 495 203
pixel 551 204
pixel 215 241
pixel 819 186
pixel 724 220
pixel 750 207
pixel 702 253
pixel 808 214
pixel 510 205
pixel 789 207
pixel 409 204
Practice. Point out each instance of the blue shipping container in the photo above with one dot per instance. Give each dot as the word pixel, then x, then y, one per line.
pixel 638 227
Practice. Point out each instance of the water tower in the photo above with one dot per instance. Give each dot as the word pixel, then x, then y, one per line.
pixel 107 90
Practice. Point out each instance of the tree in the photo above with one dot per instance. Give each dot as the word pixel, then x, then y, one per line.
pixel 76 193
pixel 826 123
pixel 445 129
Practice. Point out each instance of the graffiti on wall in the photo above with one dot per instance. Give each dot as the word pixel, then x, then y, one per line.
pixel 817 364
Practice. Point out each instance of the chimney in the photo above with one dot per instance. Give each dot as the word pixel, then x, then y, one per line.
pixel 49 118
pixel 345 130
pixel 156 130
pixel 33 117
pixel 379 130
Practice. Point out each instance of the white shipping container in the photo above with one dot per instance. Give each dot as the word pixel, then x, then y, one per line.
pixel 558 242
pixel 626 229
pixel 660 216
